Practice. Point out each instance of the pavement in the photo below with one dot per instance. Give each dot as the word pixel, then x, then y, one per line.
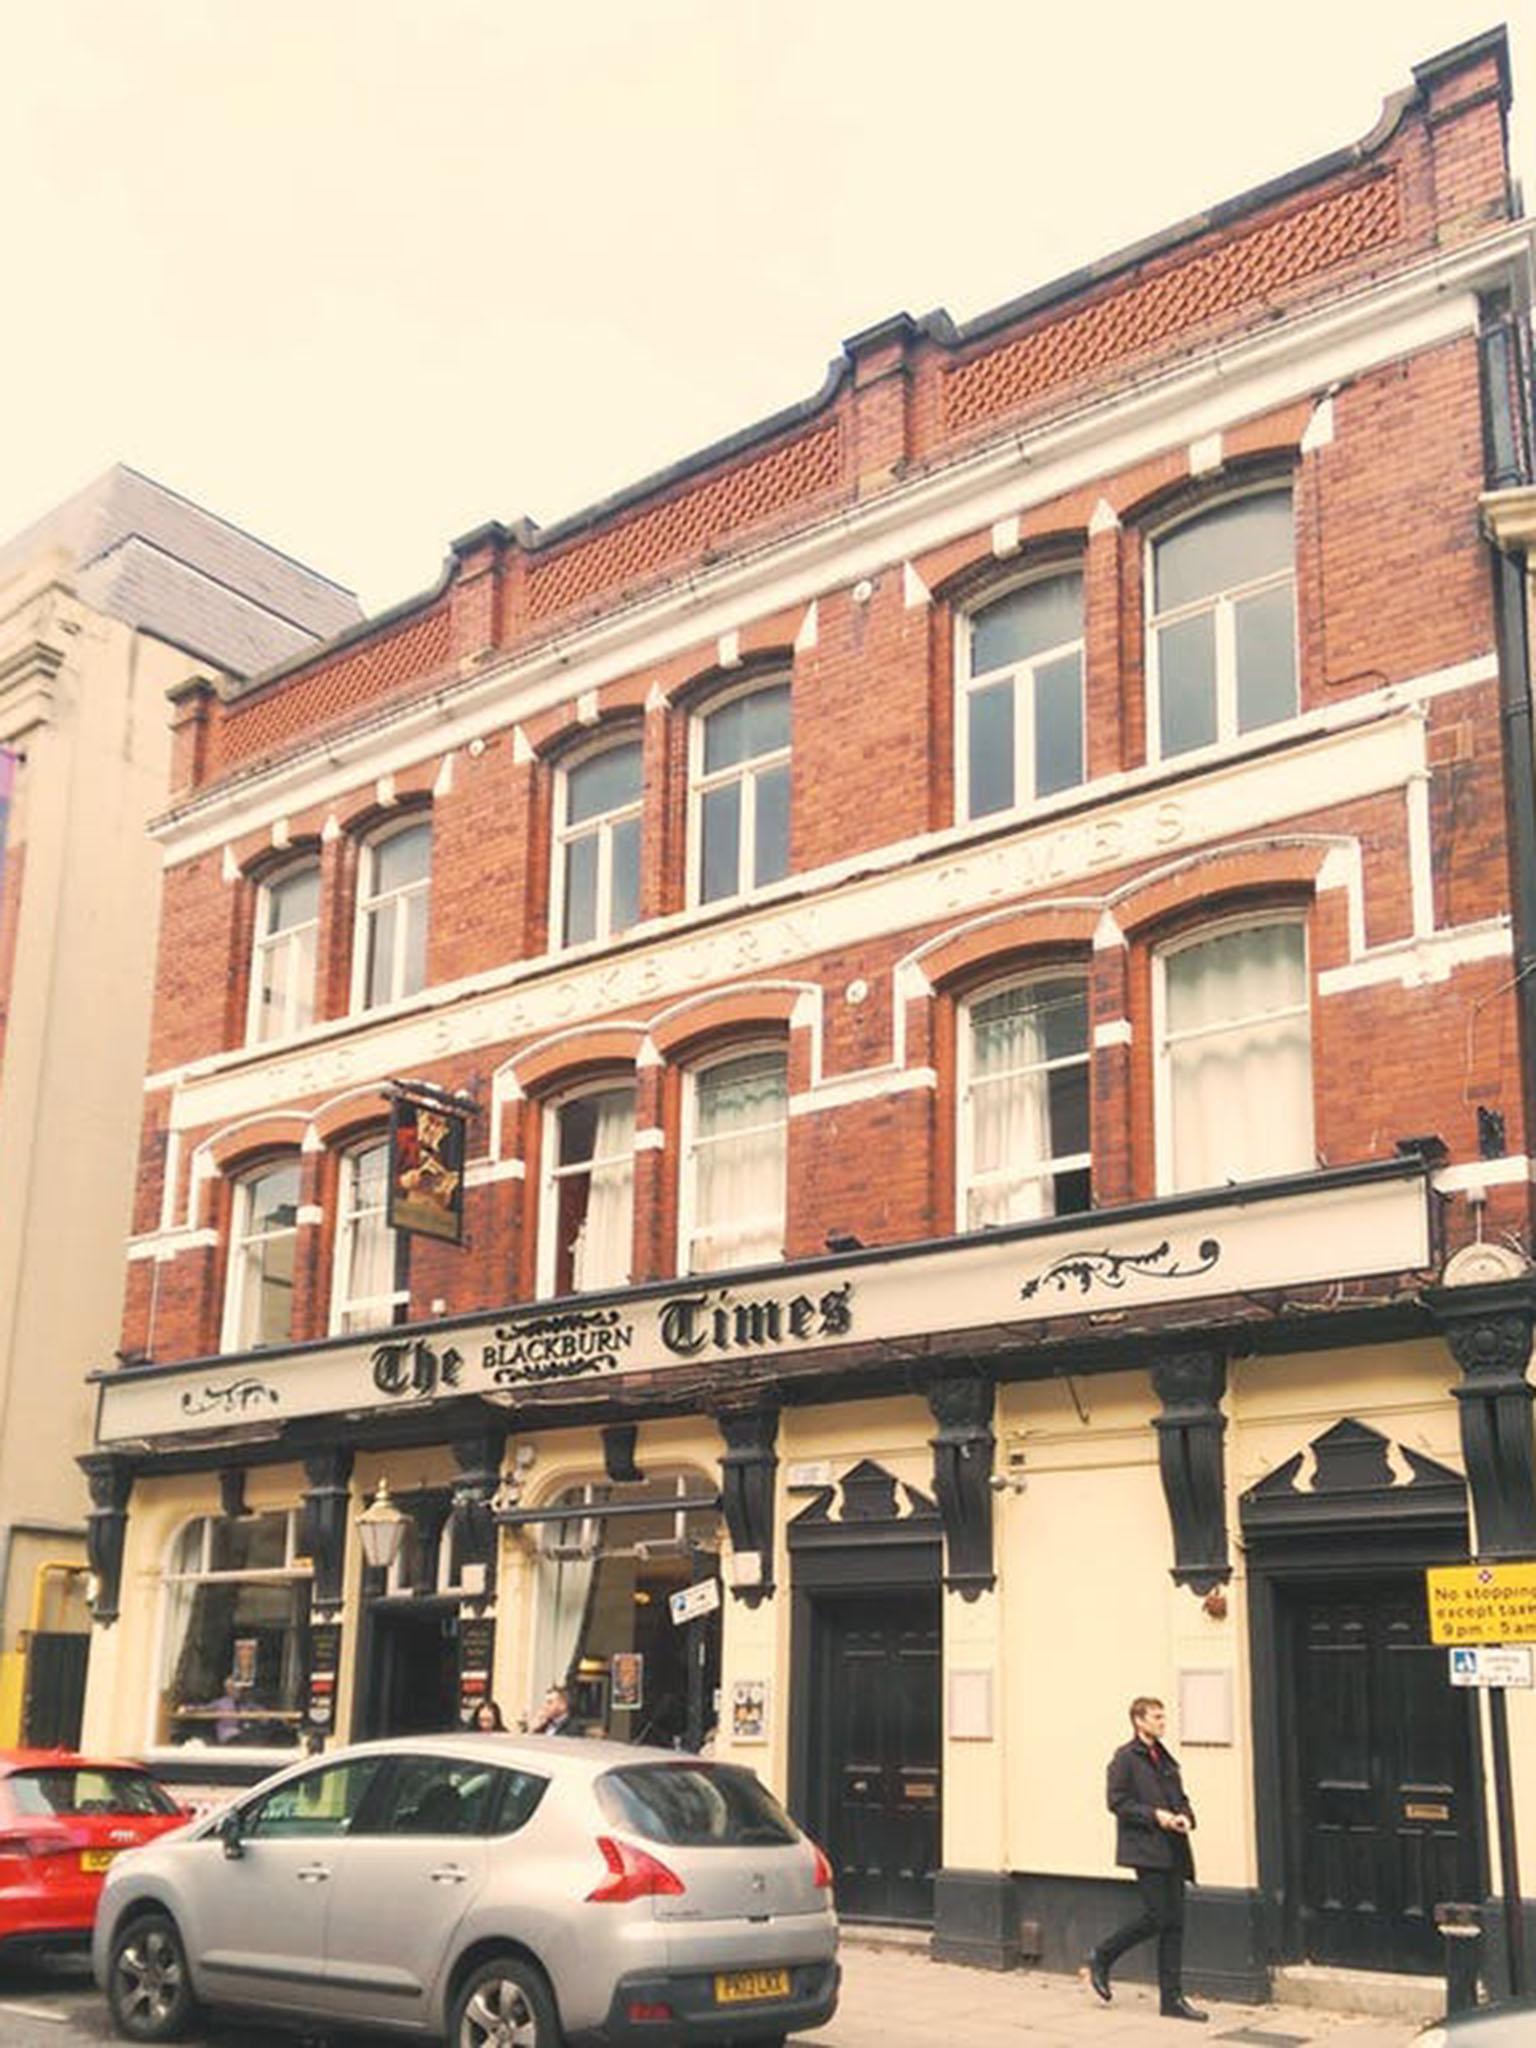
pixel 893 1997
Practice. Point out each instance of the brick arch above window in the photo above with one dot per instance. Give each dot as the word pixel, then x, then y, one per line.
pixel 1267 462
pixel 552 1063
pixel 237 1147
pixel 365 815
pixel 566 738
pixel 344 1116
pixel 268 863
pixel 765 1008
pixel 693 692
pixel 991 945
pixel 973 572
pixel 1275 869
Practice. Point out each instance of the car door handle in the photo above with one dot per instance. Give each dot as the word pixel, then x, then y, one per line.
pixel 448 1873
pixel 312 1873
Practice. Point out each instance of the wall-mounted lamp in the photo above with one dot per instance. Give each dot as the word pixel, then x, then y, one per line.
pixel 381 1530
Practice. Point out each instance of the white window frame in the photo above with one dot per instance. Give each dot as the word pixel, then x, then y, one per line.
pixel 1068 1162
pixel 687 1200
pixel 1162 1094
pixel 602 825
pixel 746 773
pixel 347 1214
pixel 369 900
pixel 240 1236
pixel 551 1173
pixel 1223 603
pixel 265 945
pixel 1022 675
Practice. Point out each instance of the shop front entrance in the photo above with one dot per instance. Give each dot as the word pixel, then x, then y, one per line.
pixel 410 1667
pixel 865 1728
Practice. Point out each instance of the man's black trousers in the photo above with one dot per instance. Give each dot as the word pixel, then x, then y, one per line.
pixel 1162 1914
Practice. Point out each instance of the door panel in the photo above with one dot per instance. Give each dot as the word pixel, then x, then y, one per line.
pixel 879 1662
pixel 256 1923
pixel 1386 1823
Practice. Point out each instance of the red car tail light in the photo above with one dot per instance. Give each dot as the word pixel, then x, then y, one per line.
pixel 23 1846
pixel 632 1874
pixel 822 1869
pixel 644 2011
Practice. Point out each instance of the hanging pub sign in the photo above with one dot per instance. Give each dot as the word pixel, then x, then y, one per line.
pixel 426 1168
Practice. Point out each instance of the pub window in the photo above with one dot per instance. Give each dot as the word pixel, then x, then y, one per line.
pixel 1235 1057
pixel 370 1284
pixel 393 899
pixel 1024 1146
pixel 1222 658
pixel 235 1630
pixel 258 1303
pixel 283 953
pixel 597 845
pixel 586 1227
pixel 735 1151
pixel 1021 691
pixel 739 784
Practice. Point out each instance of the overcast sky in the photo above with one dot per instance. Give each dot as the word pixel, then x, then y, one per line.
pixel 362 274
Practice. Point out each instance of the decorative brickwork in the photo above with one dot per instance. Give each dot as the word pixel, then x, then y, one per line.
pixel 689 525
pixel 384 666
pixel 1250 269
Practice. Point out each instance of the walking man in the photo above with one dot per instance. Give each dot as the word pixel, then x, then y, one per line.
pixel 1153 1823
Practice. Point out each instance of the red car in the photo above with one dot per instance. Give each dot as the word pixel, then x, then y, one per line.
pixel 62 1820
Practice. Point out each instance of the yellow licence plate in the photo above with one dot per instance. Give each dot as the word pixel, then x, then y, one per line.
pixel 736 1986
pixel 96 1859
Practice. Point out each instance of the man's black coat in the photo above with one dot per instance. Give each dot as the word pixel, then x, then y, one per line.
pixel 1139 1781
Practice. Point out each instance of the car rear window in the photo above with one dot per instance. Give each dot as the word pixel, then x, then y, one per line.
pixel 694 1805
pixel 76 1789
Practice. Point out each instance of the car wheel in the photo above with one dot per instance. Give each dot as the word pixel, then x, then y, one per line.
pixel 505 2004
pixel 149 1988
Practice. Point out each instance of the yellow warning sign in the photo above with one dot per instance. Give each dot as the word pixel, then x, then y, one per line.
pixel 1482 1603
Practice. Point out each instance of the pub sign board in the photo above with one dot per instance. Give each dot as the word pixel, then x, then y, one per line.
pixel 426 1169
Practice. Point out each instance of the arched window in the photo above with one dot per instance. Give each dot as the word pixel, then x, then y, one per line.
pixel 283 952
pixel 1021 692
pixel 739 784
pixel 235 1656
pixel 735 1154
pixel 1234 1057
pixel 1222 623
pixel 263 1238
pixel 1024 1146
pixel 597 844
pixel 393 896
pixel 370 1285
pixel 586 1221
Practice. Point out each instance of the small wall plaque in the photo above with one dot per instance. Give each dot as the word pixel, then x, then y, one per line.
pixel 1205 1709
pixel 970 1706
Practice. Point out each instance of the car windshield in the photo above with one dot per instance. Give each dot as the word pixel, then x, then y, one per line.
pixel 694 1805
pixel 84 1788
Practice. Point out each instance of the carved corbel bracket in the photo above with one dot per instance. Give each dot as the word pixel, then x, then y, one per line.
pixel 963 1451
pixel 749 1467
pixel 619 1440
pixel 1191 1457
pixel 472 1525
pixel 323 1519
pixel 110 1478
pixel 1489 1330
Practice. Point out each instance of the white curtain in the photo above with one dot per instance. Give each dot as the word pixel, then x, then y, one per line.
pixel 602 1251
pixel 368 1278
pixel 1239 1058
pixel 564 1594
pixel 1010 1112
pixel 740 1160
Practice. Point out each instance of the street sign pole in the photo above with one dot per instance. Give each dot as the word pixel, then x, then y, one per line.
pixel 1509 1859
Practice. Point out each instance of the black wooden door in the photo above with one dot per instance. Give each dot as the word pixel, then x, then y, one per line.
pixel 1386 1822
pixel 55 1689
pixel 878 1751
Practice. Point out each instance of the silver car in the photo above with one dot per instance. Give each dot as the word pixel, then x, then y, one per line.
pixel 507 1891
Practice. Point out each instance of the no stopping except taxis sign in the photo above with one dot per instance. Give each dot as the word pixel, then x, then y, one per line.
pixel 1482 1603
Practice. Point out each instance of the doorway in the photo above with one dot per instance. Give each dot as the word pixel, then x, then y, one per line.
pixel 1384 1816
pixel 410 1667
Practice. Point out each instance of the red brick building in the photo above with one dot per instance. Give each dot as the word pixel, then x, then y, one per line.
pixel 979 928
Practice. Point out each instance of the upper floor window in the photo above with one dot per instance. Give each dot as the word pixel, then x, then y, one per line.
pixel 1022 695
pixel 597 844
pixel 370 1285
pixel 736 1157
pixel 258 1301
pixel 1223 624
pixel 1024 1133
pixel 283 955
pixel 1236 1058
pixel 740 783
pixel 586 1228
pixel 394 890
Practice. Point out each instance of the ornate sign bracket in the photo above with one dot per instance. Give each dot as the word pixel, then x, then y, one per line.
pixel 1489 1329
pixel 1191 1457
pixel 962 1479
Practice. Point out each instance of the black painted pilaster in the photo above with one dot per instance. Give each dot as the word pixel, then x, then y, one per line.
pixel 323 1519
pixel 962 1479
pixel 106 1529
pixel 1489 1331
pixel 749 1467
pixel 1191 1457
pixel 472 1526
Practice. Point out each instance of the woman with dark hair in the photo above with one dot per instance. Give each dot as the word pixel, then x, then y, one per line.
pixel 488 1719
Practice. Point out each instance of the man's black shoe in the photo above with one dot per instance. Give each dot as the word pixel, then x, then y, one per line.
pixel 1098 1976
pixel 1181 2009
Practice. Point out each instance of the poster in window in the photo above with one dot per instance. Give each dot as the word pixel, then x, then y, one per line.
pixel 426 1169
pixel 242 1662
pixel 749 1710
pixel 626 1679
